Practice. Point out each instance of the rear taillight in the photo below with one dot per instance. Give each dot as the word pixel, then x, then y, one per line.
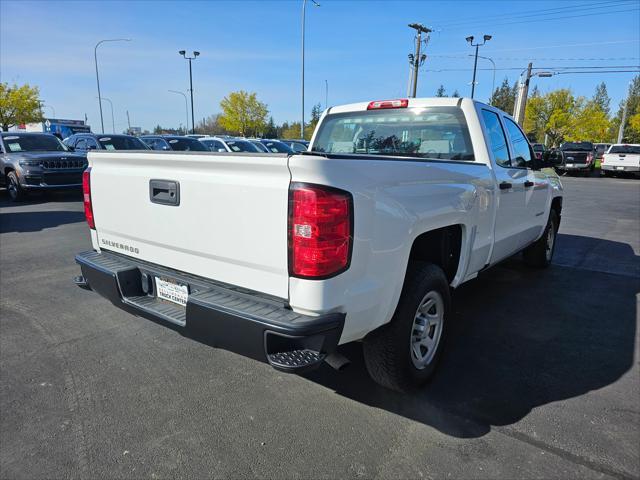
pixel 382 104
pixel 589 157
pixel 320 230
pixel 86 193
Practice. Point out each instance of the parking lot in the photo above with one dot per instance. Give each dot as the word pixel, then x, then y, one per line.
pixel 540 379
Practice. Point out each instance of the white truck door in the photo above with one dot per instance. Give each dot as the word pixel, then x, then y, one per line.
pixel 536 186
pixel 511 210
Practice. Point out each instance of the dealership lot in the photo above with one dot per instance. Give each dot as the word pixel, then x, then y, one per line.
pixel 540 378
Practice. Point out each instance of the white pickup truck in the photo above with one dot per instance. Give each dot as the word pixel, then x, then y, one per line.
pixel 284 257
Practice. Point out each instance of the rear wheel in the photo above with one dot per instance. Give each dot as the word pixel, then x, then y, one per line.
pixel 403 354
pixel 16 193
pixel 540 253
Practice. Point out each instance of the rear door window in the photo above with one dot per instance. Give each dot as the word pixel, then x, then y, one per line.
pixel 521 150
pixel 422 132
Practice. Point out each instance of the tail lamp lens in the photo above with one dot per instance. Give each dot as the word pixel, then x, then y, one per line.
pixel 86 194
pixel 320 231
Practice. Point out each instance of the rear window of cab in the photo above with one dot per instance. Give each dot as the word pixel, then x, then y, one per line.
pixel 422 132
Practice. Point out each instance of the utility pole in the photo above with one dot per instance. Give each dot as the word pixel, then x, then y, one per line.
pixel 523 91
pixel 129 122
pixel 624 120
pixel 416 60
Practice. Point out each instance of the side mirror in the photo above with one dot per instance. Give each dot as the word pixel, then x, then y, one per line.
pixel 222 150
pixel 164 147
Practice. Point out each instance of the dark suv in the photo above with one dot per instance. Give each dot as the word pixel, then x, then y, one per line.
pixel 82 142
pixel 174 142
pixel 37 161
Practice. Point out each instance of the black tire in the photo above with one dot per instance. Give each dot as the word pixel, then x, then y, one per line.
pixel 16 192
pixel 540 254
pixel 388 351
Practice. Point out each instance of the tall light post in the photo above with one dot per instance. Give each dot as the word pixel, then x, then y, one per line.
pixel 95 57
pixel 304 6
pixel 186 107
pixel 326 94
pixel 469 39
pixel 195 54
pixel 493 82
pixel 113 124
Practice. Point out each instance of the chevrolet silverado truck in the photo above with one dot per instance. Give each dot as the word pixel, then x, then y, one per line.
pixel 284 257
pixel 31 162
pixel 621 159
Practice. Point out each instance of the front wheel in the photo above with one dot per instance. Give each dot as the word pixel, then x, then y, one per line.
pixel 403 354
pixel 16 193
pixel 540 253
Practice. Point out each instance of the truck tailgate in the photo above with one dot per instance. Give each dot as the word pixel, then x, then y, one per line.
pixel 230 224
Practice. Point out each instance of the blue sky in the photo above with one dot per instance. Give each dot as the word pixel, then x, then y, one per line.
pixel 359 47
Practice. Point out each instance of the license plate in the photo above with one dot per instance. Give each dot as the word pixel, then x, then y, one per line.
pixel 619 168
pixel 172 291
pixel 569 165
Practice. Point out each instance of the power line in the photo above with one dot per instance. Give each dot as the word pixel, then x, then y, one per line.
pixel 539 13
pixel 535 68
pixel 525 59
pixel 533 20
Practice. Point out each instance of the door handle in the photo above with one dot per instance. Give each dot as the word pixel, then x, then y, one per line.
pixel 164 192
pixel 505 185
pixel 528 184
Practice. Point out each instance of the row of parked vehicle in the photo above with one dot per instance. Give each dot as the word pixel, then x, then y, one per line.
pixel 83 142
pixel 31 162
pixel 581 157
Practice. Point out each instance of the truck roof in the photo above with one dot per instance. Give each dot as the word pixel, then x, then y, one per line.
pixel 413 102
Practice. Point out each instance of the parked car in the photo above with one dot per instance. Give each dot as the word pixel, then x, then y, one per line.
pixel 621 158
pixel 578 157
pixel 600 149
pixel 296 145
pixel 231 145
pixel 37 162
pixel 259 145
pixel 81 142
pixel 538 150
pixel 360 239
pixel 173 142
pixel 276 146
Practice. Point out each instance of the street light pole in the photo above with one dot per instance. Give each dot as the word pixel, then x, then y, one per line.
pixel 113 124
pixel 186 108
pixel 95 57
pixel 469 39
pixel 493 82
pixel 195 54
pixel 304 6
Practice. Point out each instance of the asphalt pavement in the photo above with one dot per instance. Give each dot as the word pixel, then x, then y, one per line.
pixel 540 378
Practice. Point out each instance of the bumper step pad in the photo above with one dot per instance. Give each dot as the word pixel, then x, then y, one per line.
pixel 296 359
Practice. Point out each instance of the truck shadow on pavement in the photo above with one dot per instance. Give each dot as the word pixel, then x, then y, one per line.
pixel 518 339
pixel 36 221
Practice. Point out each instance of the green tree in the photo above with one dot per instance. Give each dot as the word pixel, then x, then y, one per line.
pixel 601 98
pixel 441 92
pixel 271 130
pixel 590 123
pixel 242 112
pixel 455 94
pixel 18 105
pixel 634 123
pixel 630 135
pixel 316 113
pixel 504 97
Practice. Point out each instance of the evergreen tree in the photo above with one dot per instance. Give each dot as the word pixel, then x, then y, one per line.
pixel 504 97
pixel 601 98
pixel 441 92
pixel 455 94
pixel 630 134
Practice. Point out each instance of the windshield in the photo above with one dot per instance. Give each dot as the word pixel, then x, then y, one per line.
pixel 242 146
pixel 431 132
pixel 633 149
pixel 274 146
pixel 33 143
pixel 186 145
pixel 577 146
pixel 259 146
pixel 121 143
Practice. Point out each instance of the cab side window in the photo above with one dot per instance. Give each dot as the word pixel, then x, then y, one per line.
pixel 497 139
pixel 91 142
pixel 82 144
pixel 521 149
